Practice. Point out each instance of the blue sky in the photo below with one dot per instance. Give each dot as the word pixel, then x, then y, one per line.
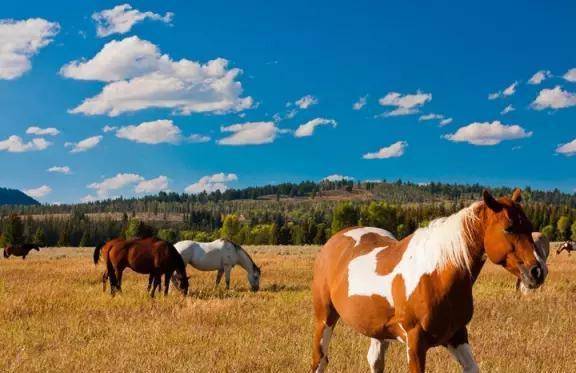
pixel 281 109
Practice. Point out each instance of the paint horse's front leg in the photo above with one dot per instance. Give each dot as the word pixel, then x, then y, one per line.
pixel 460 349
pixel 416 348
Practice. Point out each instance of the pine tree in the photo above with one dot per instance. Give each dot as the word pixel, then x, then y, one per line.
pixel 40 237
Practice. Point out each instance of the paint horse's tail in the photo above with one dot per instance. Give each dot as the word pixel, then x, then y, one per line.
pixel 96 255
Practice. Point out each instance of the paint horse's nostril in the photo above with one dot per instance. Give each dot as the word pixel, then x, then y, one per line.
pixel 536 273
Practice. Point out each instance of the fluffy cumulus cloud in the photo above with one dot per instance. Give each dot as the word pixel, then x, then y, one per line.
pixel 337 177
pixel 539 77
pixel 554 98
pixel 211 183
pixel 156 132
pixel 15 144
pixel 404 104
pixel 155 185
pixel 306 101
pixel 307 129
pixel 84 145
pixel 39 192
pixel 508 91
pixel 251 133
pixel 570 75
pixel 60 170
pixel 121 18
pixel 19 41
pixel 139 77
pixel 507 110
pixel 487 133
pixel 42 131
pixel 568 149
pixel 393 151
pixel 358 105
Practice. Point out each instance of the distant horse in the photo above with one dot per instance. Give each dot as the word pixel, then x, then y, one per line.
pixel 566 246
pixel 543 251
pixel 19 250
pixel 220 255
pixel 147 256
pixel 418 290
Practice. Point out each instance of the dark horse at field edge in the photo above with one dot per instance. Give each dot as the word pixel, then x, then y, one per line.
pixel 19 250
pixel 150 256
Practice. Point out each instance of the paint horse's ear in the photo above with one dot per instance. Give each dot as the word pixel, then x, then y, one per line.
pixel 491 201
pixel 517 196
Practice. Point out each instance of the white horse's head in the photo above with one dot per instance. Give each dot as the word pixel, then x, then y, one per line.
pixel 254 277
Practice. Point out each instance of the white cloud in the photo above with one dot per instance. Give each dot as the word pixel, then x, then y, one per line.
pixel 108 128
pixel 251 133
pixel 19 41
pixel 568 149
pixel 358 105
pixel 211 183
pixel 306 101
pixel 196 138
pixel 84 145
pixel 555 98
pixel 140 77
pixel 570 75
pixel 508 91
pixel 39 192
pixel 430 116
pixel 121 18
pixel 337 177
pixel 539 77
pixel 405 104
pixel 393 151
pixel 119 181
pixel 487 133
pixel 307 129
pixel 42 131
pixel 507 110
pixel 156 132
pixel 445 122
pixel 15 144
pixel 156 185
pixel 60 169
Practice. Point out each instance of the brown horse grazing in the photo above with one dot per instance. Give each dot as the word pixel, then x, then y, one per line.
pixel 19 250
pixel 566 246
pixel 418 290
pixel 148 256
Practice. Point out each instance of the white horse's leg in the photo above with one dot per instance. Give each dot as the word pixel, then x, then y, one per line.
pixel 376 354
pixel 219 276
pixel 227 270
pixel 463 354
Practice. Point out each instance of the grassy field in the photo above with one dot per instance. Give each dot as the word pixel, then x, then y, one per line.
pixel 54 317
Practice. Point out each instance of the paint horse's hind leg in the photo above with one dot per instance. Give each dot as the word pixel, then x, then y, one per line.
pixel 460 349
pixel 325 318
pixel 376 355
pixel 416 350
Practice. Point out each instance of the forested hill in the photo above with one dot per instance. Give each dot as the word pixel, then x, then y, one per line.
pixel 15 197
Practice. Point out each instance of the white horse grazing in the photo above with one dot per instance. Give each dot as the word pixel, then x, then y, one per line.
pixel 220 255
pixel 543 251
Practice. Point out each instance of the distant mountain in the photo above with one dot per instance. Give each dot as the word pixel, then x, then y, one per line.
pixel 15 197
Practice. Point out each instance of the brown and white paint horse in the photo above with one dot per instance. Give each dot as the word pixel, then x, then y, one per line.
pixel 418 290
pixel 566 246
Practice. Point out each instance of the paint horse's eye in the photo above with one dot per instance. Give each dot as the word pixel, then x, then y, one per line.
pixel 510 229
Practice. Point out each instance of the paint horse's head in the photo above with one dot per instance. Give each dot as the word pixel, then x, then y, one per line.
pixel 508 239
pixel 254 277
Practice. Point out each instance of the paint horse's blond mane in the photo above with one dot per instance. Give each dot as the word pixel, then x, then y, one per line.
pixel 446 240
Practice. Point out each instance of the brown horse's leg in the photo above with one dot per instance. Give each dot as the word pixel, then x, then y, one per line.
pixel 150 281
pixel 119 272
pixel 156 283
pixel 112 277
pixel 325 318
pixel 416 350
pixel 104 280
pixel 167 277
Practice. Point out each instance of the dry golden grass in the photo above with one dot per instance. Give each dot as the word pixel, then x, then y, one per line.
pixel 54 317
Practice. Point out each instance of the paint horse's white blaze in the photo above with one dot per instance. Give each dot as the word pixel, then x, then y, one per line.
pixel 444 241
pixel 221 256
pixel 356 234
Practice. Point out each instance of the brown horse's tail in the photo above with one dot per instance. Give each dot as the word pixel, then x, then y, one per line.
pixel 96 255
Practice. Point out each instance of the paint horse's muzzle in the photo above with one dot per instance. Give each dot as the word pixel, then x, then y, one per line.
pixel 533 277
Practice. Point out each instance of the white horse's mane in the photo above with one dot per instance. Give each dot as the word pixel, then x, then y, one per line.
pixel 446 239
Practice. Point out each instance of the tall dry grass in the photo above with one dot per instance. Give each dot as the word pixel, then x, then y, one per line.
pixel 54 317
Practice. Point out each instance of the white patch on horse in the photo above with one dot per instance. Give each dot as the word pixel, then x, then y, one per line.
pixel 463 354
pixel 442 242
pixel 356 234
